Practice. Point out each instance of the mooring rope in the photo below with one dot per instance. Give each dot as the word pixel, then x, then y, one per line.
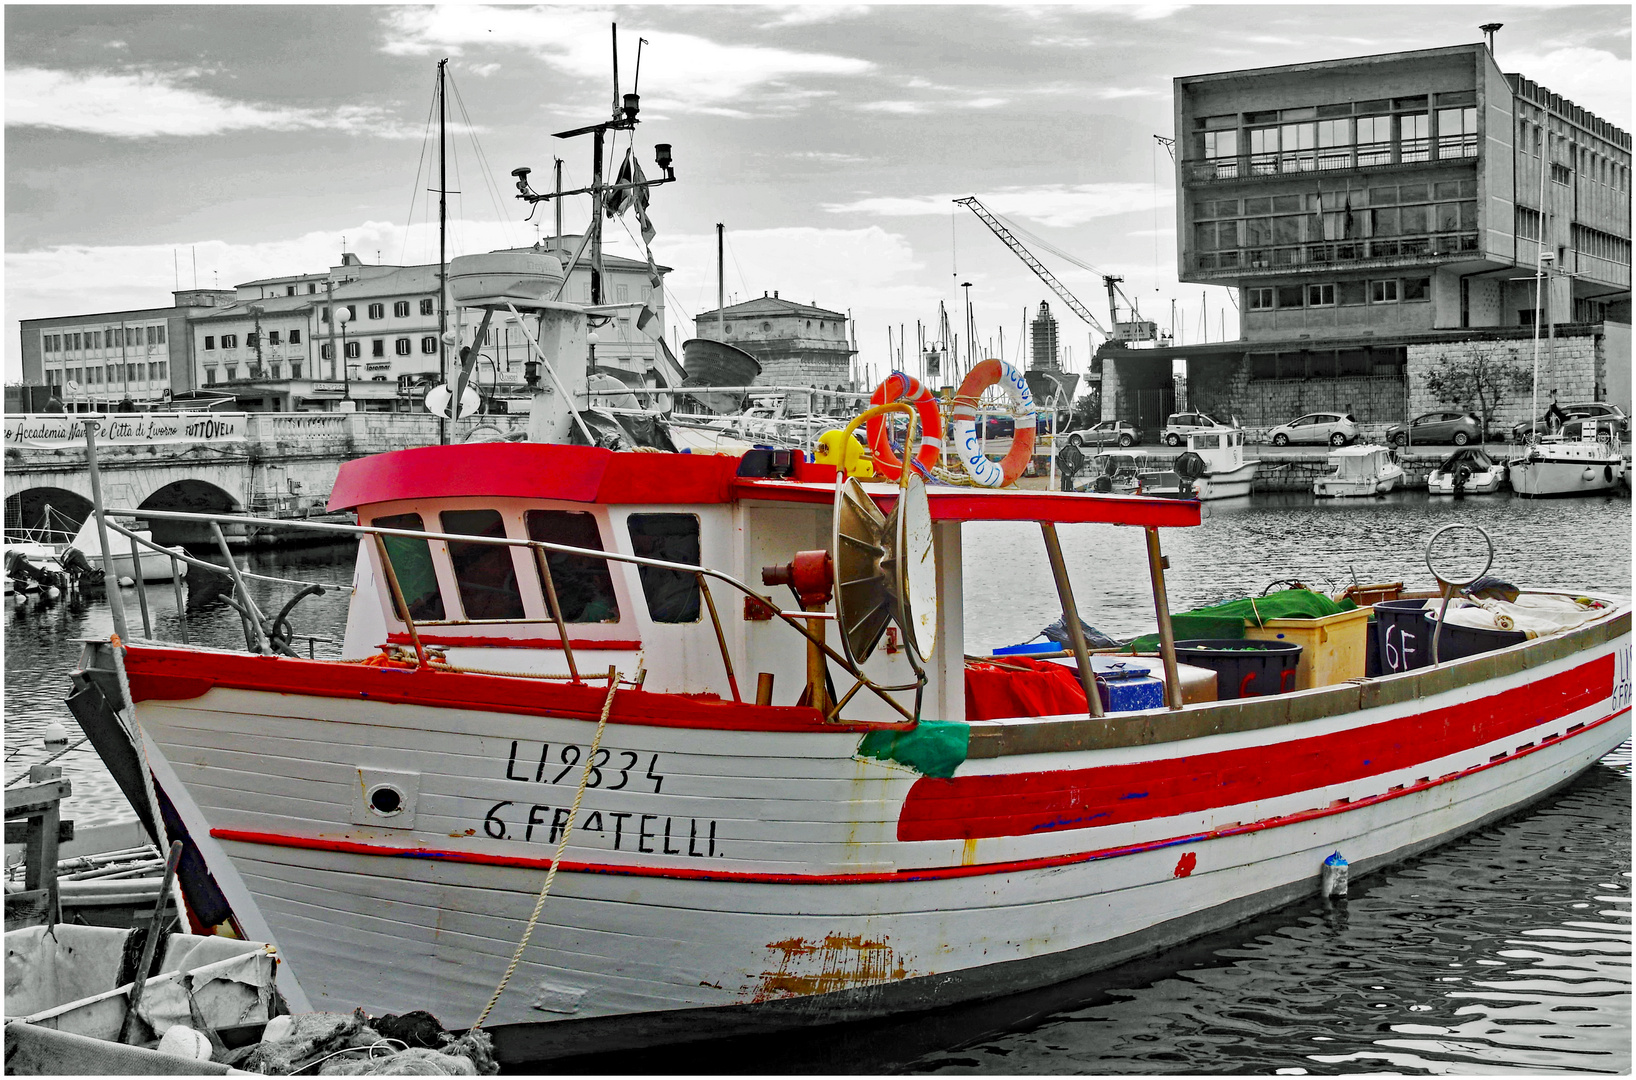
pixel 562 846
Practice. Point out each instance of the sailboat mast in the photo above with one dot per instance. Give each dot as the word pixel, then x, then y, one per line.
pixel 721 284
pixel 442 246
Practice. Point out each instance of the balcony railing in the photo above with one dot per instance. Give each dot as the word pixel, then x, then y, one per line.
pixel 1338 253
pixel 1411 152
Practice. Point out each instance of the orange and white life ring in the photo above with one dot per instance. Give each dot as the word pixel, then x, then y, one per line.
pixel 905 388
pixel 963 420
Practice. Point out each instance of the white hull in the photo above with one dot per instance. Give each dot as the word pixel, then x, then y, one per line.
pixel 1483 483
pixel 771 871
pixel 1337 488
pixel 1553 475
pixel 1226 485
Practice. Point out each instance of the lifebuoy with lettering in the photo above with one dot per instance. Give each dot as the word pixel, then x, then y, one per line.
pixel 963 420
pixel 905 388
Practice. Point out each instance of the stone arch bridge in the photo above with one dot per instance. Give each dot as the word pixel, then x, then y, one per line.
pixel 272 464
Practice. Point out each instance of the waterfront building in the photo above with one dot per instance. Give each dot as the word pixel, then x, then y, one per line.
pixel 272 344
pixel 796 344
pixel 1382 216
pixel 96 361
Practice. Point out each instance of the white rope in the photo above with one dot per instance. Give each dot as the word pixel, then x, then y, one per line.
pixel 562 846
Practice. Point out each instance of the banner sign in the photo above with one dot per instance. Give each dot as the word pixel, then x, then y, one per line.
pixel 51 430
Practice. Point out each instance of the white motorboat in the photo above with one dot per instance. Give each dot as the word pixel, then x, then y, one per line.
pixel 155 562
pixel 1468 471
pixel 1584 458
pixel 1116 471
pixel 1359 470
pixel 1225 474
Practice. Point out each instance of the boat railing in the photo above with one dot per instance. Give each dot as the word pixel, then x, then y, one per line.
pixel 262 634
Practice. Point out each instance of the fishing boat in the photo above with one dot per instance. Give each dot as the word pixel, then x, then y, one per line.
pixel 1118 471
pixel 1584 458
pixel 1468 471
pixel 1360 470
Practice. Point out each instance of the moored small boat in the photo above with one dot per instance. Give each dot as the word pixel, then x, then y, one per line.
pixel 1360 470
pixel 1584 458
pixel 155 562
pixel 1468 471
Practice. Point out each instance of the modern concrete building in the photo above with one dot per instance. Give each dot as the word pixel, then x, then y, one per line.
pixel 272 344
pixel 796 344
pixel 1380 215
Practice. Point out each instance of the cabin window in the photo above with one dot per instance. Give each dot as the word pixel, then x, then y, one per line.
pixel 584 586
pixel 673 596
pixel 412 563
pixel 485 573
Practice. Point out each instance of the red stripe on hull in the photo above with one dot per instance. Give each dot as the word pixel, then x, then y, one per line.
pixel 459 642
pixel 965 807
pixel 353 847
pixel 159 674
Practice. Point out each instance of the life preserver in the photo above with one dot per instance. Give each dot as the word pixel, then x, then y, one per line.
pixel 905 388
pixel 963 419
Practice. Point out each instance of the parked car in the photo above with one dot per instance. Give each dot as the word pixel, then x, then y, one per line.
pixel 1106 433
pixel 1180 425
pixel 1336 429
pixel 1436 427
pixel 1557 415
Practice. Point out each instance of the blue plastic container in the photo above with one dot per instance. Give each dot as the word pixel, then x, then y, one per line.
pixel 1130 688
pixel 1403 636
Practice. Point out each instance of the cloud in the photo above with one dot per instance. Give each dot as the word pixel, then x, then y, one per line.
pixel 921 108
pixel 808 14
pixel 682 72
pixel 143 105
pixel 1593 79
pixel 1056 205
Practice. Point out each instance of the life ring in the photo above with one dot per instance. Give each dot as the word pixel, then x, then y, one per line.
pixel 963 419
pixel 905 388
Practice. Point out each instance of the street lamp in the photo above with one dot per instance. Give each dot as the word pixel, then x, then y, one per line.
pixel 342 317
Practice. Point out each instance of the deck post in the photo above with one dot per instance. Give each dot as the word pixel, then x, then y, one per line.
pixel 116 602
pixel 181 600
pixel 398 600
pixel 556 608
pixel 251 613
pixel 1070 617
pixel 1161 607
pixel 141 586
pixel 721 638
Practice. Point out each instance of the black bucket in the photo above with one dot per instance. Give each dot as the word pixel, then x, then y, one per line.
pixel 1402 635
pixel 1244 667
pixel 1458 641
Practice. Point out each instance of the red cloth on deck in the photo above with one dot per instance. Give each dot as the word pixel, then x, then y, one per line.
pixel 1045 689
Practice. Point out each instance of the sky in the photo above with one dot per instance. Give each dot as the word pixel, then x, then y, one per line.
pixel 143 142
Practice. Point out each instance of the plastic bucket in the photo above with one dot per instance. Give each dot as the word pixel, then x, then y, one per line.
pixel 1244 668
pixel 1458 641
pixel 1403 637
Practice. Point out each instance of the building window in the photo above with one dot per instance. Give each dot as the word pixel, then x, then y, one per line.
pixel 323 315
pixel 1298 143
pixel 230 341
pixel 1260 299
pixel 428 344
pixel 1320 296
pixel 403 346
pixel 1456 133
pixel 1416 288
pixel 1561 174
pixel 210 343
pixel 1374 140
pixel 289 290
pixel 295 337
pixel 377 311
pixel 622 293
pixel 1414 135
pixel 210 376
pixel 401 309
pixel 274 369
pixel 1351 293
pixel 295 369
pixel 377 347
pixel 326 352
pixel 426 306
pixel 312 286
pixel 1289 296
pixel 1335 143
pixel 272 337
pixel 250 340
pixel 353 350
pixel 352 312
pixel 1383 292
pixel 232 372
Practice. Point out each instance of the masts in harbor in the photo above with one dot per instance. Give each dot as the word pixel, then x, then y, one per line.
pixel 442 247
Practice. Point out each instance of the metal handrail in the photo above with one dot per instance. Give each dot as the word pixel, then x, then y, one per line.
pixel 882 692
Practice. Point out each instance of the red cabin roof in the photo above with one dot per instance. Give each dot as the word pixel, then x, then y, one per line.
pixel 550 471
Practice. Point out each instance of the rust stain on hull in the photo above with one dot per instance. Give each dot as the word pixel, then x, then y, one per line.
pixel 838 962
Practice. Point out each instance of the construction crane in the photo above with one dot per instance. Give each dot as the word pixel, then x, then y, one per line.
pixel 970 202
pixel 1134 330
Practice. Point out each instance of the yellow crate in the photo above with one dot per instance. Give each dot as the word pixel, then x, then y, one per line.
pixel 1334 648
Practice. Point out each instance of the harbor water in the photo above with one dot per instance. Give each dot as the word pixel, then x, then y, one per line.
pixel 1506 951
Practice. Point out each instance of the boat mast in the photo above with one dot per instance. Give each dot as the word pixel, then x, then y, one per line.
pixel 721 284
pixel 442 249
pixel 1539 284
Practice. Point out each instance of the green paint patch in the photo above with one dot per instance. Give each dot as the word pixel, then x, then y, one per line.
pixel 932 747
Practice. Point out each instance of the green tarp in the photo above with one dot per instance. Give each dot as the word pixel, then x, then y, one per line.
pixel 1227 620
pixel 933 747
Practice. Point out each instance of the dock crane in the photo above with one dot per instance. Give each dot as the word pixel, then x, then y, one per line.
pixel 1135 326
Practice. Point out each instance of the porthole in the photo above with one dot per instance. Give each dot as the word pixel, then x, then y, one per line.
pixel 386 800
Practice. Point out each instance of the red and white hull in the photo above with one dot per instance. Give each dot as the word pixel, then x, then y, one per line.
pixel 736 868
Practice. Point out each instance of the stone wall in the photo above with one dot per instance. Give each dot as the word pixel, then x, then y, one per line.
pixel 1224 388
pixel 1571 369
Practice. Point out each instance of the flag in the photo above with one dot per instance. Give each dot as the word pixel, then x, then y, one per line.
pixel 635 198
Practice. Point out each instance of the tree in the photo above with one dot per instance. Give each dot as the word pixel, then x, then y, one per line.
pixel 1480 375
